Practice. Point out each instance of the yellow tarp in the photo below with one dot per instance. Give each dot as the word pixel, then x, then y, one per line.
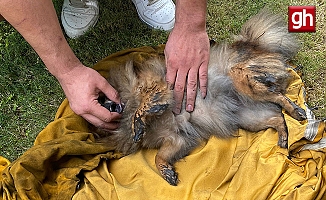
pixel 66 163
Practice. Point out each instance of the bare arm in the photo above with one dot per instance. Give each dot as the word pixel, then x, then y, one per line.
pixel 187 52
pixel 37 22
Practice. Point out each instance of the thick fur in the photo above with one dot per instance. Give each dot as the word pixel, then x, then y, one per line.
pixel 246 85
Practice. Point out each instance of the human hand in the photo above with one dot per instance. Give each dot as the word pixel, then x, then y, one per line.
pixel 82 86
pixel 38 23
pixel 187 56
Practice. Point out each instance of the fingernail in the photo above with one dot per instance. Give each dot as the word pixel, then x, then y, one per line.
pixel 171 86
pixel 203 95
pixel 189 108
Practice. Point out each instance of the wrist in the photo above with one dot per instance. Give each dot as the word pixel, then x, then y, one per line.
pixel 60 60
pixel 191 15
pixel 190 26
pixel 66 71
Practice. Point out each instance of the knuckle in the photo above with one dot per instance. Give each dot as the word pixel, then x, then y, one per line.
pixel 191 97
pixel 179 88
pixel 107 119
pixel 203 75
pixel 115 95
pixel 192 84
pixel 203 86
pixel 79 110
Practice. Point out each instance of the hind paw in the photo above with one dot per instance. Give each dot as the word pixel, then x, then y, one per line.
pixel 283 141
pixel 169 174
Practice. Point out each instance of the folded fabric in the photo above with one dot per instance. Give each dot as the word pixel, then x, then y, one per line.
pixel 66 162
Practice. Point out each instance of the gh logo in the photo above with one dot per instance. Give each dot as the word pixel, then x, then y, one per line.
pixel 302 18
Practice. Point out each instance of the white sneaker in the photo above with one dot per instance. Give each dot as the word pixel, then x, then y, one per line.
pixel 78 16
pixel 159 14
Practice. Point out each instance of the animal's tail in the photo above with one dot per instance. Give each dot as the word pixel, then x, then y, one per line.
pixel 269 32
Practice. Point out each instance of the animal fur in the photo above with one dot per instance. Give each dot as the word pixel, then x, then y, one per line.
pixel 246 84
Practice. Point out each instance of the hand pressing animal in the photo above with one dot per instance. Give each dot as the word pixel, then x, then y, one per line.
pixel 246 84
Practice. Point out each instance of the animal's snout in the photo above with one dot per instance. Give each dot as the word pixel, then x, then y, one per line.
pixel 110 105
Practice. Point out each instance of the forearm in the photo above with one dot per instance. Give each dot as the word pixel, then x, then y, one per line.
pixel 37 22
pixel 191 14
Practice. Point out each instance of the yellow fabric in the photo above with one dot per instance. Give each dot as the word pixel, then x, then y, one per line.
pixel 66 163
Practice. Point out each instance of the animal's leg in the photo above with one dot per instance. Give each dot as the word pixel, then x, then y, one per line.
pixel 276 122
pixel 293 109
pixel 262 116
pixel 265 84
pixel 166 157
pixel 270 87
pixel 279 124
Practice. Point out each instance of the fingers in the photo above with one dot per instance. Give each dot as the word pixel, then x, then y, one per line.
pixel 109 91
pixel 93 111
pixel 176 81
pixel 101 117
pixel 191 89
pixel 107 126
pixel 203 78
pixel 179 89
pixel 187 81
pixel 82 86
pixel 192 81
pixel 171 74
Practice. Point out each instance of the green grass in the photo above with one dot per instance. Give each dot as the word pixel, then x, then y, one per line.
pixel 30 95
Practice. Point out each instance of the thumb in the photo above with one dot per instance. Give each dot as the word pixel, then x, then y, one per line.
pixel 108 90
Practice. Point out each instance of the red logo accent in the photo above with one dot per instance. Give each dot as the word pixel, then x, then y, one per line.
pixel 302 18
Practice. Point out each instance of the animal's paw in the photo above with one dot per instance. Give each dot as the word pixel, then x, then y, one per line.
pixel 283 141
pixel 139 129
pixel 297 112
pixel 300 114
pixel 169 174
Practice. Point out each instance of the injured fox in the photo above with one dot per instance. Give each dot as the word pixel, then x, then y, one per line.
pixel 247 81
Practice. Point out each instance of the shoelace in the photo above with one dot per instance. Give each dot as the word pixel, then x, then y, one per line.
pixel 152 2
pixel 78 3
pixel 82 3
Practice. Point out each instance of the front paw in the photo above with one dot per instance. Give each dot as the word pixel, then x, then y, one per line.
pixel 300 114
pixel 139 129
